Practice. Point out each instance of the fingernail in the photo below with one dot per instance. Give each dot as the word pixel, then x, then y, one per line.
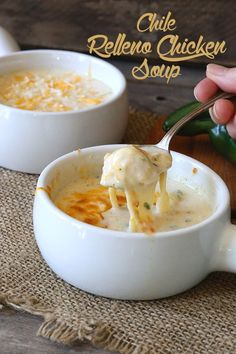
pixel 195 93
pixel 213 114
pixel 216 70
pixel 231 127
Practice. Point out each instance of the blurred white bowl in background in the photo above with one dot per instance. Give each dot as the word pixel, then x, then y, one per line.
pixel 29 140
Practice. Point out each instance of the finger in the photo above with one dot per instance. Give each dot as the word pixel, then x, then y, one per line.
pixel 231 127
pixel 222 111
pixel 223 77
pixel 205 89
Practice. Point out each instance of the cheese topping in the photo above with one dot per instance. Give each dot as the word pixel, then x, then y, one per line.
pixel 51 91
pixel 87 201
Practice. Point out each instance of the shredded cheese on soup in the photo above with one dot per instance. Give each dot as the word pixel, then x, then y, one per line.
pixel 51 91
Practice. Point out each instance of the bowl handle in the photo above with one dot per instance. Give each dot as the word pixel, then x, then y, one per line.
pixel 8 44
pixel 225 257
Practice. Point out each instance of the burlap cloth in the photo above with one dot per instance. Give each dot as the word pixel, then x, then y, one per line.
pixel 202 320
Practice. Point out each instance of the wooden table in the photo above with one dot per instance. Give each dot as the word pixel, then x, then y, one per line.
pixel 17 329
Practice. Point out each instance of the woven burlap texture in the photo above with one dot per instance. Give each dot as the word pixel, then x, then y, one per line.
pixel 202 320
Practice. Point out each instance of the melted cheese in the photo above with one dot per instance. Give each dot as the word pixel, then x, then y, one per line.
pixel 137 172
pixel 86 201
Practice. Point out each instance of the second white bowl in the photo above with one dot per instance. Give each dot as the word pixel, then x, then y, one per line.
pixel 29 140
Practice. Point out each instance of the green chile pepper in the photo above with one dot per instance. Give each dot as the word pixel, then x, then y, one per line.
pixel 203 124
pixel 223 143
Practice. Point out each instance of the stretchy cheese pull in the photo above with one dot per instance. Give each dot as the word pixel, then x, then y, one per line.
pixel 137 171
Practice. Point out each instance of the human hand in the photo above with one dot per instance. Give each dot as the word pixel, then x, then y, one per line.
pixel 223 111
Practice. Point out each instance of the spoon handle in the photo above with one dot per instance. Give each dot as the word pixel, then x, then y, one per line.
pixel 165 141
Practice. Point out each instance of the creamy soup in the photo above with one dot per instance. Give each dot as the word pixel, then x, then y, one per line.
pixel 86 200
pixel 51 91
pixel 134 194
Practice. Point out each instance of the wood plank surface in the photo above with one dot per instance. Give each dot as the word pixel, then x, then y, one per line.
pixel 157 96
pixel 68 24
pixel 18 336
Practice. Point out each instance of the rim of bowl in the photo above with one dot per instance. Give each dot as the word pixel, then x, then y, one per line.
pixel 123 234
pixel 113 97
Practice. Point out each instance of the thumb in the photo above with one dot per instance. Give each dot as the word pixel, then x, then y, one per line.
pixel 224 78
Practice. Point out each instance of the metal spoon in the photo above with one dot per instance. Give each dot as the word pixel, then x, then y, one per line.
pixel 165 141
pixel 159 154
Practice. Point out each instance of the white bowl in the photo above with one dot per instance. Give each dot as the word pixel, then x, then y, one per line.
pixel 29 140
pixel 125 265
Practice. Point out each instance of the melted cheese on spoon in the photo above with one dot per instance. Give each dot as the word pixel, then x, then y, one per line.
pixel 137 171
